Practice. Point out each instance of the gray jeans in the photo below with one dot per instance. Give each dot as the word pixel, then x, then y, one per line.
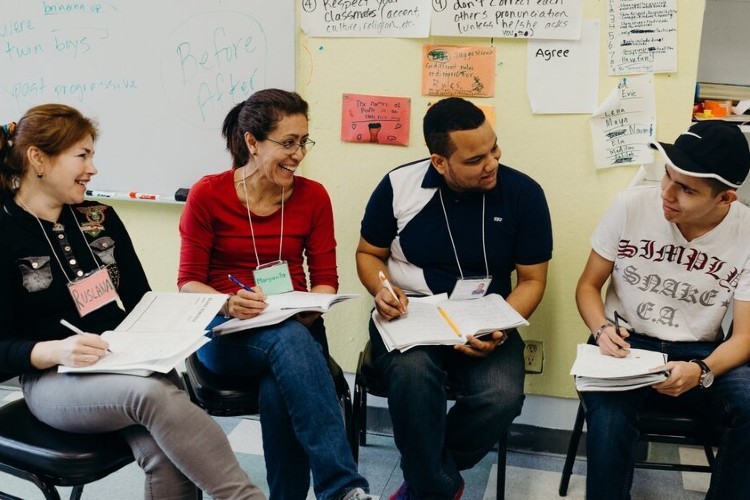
pixel 176 444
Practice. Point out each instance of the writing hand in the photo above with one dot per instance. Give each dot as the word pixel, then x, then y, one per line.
pixel 482 348
pixel 387 305
pixel 81 350
pixel 683 376
pixel 247 303
pixel 612 344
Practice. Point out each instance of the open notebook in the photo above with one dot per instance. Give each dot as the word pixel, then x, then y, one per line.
pixel 283 306
pixel 436 320
pixel 162 330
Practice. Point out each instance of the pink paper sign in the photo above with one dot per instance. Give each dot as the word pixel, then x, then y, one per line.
pixel 448 70
pixel 92 292
pixel 375 119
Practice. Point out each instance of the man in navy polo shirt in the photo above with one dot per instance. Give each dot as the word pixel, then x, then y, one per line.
pixel 450 222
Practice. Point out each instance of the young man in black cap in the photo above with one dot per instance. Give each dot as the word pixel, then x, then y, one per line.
pixel 676 257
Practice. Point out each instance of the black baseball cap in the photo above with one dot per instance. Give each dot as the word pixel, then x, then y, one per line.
pixel 710 148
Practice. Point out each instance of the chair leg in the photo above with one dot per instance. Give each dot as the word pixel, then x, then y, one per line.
pixel 363 418
pixel 356 421
pixel 570 458
pixel 502 451
pixel 76 492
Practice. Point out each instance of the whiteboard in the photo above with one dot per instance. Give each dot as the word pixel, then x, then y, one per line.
pixel 159 76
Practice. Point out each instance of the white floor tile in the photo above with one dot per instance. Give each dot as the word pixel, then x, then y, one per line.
pixel 530 484
pixel 12 396
pixel 694 481
pixel 247 438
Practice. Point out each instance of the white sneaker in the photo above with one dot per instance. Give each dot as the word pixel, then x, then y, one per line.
pixel 358 494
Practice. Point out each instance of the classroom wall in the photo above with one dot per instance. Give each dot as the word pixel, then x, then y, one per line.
pixel 553 149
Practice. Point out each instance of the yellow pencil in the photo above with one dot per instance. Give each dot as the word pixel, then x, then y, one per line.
pixel 449 321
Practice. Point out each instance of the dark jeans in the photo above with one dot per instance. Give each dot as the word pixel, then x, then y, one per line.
pixel 612 436
pixel 434 446
pixel 299 413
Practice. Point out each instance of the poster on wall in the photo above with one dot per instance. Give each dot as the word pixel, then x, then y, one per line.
pixel 642 36
pixel 375 119
pixel 357 19
pixel 556 19
pixel 449 70
pixel 563 75
pixel 625 123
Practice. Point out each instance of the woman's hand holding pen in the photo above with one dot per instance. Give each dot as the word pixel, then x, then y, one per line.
pixel 612 341
pixel 246 303
pixel 76 350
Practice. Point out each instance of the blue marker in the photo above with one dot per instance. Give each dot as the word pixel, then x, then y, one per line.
pixel 239 283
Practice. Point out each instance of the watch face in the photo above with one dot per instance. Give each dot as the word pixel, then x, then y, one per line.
pixel 707 379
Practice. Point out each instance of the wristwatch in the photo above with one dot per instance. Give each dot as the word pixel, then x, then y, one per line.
pixel 707 376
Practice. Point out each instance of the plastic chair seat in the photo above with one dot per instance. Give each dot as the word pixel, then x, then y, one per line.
pixel 222 395
pixel 32 450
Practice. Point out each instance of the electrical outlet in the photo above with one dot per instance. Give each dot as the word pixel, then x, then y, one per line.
pixel 533 356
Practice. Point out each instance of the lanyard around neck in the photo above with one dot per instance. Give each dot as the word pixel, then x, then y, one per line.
pixel 250 221
pixel 453 243
pixel 52 248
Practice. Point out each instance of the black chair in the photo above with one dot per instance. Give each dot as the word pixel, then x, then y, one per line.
pixel 663 420
pixel 231 396
pixel 48 457
pixel 368 380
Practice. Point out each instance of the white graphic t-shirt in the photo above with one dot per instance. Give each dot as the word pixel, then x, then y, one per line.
pixel 663 285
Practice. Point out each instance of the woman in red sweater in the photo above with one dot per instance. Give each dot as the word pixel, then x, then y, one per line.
pixel 259 222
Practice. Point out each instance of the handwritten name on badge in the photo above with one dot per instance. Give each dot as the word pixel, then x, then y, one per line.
pixel 92 292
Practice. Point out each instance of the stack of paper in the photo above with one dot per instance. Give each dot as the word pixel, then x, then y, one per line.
pixel 283 306
pixel 595 371
pixel 435 320
pixel 162 330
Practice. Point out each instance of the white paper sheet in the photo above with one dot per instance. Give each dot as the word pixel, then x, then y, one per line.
pixel 563 75
pixel 642 36
pixel 356 19
pixel 625 123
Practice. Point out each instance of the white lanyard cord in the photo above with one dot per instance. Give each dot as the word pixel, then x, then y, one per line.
pixel 250 220
pixel 52 248
pixel 453 244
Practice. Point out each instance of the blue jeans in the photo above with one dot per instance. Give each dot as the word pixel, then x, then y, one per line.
pixel 299 412
pixel 434 446
pixel 612 435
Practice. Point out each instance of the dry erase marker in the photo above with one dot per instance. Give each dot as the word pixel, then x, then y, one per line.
pixel 101 194
pixel 75 329
pixel 143 196
pixel 387 285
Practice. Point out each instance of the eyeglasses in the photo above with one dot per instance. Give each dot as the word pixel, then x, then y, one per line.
pixel 290 147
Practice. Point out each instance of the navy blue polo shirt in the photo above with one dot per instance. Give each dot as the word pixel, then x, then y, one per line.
pixel 405 215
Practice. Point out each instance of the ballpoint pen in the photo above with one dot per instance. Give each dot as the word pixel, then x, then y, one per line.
pixel 239 283
pixel 76 330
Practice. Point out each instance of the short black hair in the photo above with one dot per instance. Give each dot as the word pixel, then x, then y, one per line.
pixel 446 116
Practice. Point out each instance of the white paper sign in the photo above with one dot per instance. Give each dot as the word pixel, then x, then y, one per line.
pixel 642 36
pixel 625 123
pixel 366 18
pixel 555 19
pixel 563 75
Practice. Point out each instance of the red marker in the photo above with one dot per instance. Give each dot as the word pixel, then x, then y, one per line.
pixel 143 196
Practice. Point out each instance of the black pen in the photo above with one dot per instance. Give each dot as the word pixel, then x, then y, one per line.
pixel 617 329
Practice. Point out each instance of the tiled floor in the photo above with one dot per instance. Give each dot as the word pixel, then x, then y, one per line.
pixel 531 476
